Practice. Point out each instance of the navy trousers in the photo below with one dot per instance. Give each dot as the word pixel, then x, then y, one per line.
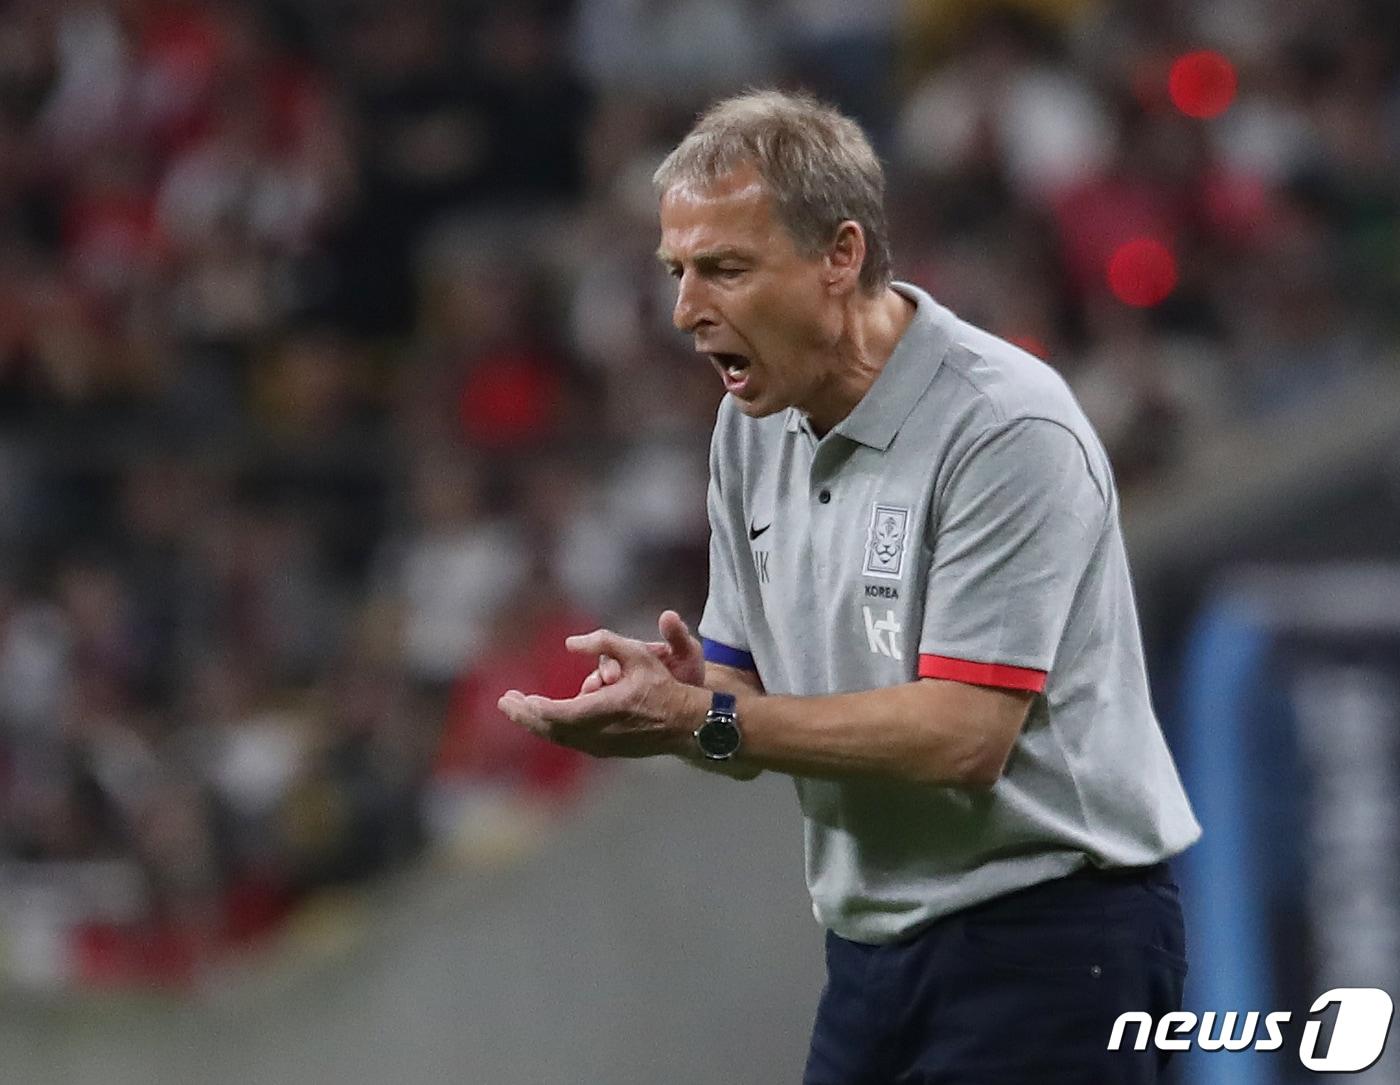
pixel 1024 988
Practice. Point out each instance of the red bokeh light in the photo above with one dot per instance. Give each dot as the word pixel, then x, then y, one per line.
pixel 1030 344
pixel 1142 272
pixel 1202 84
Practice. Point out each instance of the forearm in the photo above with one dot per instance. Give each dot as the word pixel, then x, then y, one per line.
pixel 923 732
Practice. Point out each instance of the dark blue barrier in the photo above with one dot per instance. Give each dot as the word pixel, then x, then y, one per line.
pixel 1287 733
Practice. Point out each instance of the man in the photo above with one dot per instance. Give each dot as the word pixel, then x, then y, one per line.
pixel 920 609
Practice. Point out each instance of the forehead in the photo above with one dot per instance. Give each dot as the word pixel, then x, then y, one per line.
pixel 735 211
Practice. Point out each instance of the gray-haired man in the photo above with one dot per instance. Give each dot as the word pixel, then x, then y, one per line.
pixel 920 609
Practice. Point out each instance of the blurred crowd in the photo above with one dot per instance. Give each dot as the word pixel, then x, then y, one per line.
pixel 337 380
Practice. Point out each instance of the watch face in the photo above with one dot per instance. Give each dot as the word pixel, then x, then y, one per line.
pixel 718 739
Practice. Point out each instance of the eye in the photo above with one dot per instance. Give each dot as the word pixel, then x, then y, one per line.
pixel 731 272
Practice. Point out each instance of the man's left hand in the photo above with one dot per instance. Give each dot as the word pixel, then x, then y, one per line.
pixel 644 713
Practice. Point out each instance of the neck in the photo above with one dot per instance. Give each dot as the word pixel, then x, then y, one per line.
pixel 871 329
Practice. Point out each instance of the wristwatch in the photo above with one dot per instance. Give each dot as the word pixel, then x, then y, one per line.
pixel 719 736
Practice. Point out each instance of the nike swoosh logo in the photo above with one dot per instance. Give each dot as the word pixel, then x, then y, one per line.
pixel 755 532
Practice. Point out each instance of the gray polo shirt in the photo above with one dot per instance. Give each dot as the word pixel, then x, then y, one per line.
pixel 960 523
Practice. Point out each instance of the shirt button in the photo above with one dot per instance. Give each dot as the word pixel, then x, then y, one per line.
pixel 1096 971
pixel 824 497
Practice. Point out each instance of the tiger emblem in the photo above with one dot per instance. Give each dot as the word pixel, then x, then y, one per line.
pixel 884 550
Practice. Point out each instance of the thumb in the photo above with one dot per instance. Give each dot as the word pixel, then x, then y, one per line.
pixel 676 633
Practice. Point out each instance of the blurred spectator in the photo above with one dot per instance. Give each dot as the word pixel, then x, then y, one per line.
pixel 452 570
pixel 480 747
pixel 354 812
pixel 689 50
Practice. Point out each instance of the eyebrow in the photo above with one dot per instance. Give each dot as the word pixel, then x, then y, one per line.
pixel 713 257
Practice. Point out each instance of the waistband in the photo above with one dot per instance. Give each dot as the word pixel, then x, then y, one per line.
pixel 1157 872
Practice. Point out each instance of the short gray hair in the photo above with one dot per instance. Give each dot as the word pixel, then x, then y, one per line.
pixel 817 164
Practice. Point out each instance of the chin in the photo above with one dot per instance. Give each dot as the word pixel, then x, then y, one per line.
pixel 761 407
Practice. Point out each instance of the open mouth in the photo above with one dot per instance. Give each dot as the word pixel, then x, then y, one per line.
pixel 734 368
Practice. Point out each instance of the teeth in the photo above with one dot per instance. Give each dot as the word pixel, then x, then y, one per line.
pixel 734 371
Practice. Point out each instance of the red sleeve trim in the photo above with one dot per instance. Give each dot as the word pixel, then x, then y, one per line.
pixel 982 674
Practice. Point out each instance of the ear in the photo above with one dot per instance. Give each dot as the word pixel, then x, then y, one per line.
pixel 845 258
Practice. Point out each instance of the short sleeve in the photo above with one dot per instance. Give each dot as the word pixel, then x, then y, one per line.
pixel 1016 530
pixel 722 630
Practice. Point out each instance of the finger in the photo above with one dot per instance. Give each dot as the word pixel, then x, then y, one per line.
pixel 606 673
pixel 606 642
pixel 516 707
pixel 603 704
pixel 676 633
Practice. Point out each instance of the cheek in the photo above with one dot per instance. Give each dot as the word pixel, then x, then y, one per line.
pixel 783 327
pixel 794 345
pixel 814 323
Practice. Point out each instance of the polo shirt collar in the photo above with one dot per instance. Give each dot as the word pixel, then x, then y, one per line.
pixel 908 372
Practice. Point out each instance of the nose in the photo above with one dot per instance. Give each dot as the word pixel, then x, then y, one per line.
pixel 690 314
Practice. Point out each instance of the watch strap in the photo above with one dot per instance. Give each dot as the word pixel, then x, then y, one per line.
pixel 722 705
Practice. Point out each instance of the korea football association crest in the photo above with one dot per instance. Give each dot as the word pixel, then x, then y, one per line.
pixel 887 541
